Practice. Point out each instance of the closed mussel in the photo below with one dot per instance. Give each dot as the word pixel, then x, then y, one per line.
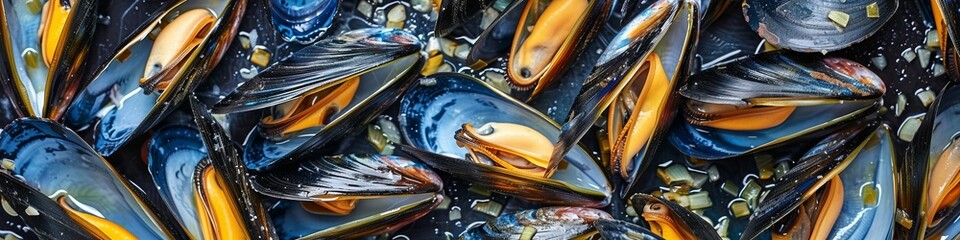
pixel 817 26
pixel 502 144
pixel 768 99
pixel 152 74
pixel 323 91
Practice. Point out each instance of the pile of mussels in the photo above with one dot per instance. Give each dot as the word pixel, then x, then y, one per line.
pixel 479 119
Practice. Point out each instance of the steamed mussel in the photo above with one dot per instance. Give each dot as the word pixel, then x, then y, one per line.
pixel 149 76
pixel 503 144
pixel 755 103
pixel 323 91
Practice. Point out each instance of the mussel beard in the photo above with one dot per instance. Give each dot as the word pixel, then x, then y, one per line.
pixel 632 118
pixel 178 40
pixel 737 118
pixel 314 110
pixel 943 191
pixel 512 146
pixel 815 218
pixel 663 223
pixel 95 225
pixel 218 213
pixel 335 207
pixel 54 20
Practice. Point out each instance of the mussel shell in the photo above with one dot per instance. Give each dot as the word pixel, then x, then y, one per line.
pixel 821 163
pixel 872 167
pixel 496 39
pixel 173 153
pixel 784 79
pixel 354 176
pixel 585 28
pixel 303 21
pixel 631 45
pixel 939 128
pixel 676 53
pixel 19 32
pixel 52 222
pixel 387 62
pixel 370 217
pixel 549 222
pixel 804 26
pixel 141 111
pixel 51 158
pixel 455 13
pixel 618 229
pixel 434 109
pixel 728 39
pixel 691 222
pixel 225 159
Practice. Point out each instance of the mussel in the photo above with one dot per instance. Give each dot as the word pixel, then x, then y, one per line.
pixel 814 198
pixel 930 190
pixel 549 34
pixel 817 26
pixel 640 115
pixel 542 223
pixel 755 103
pixel 625 62
pixel 303 21
pixel 946 17
pixel 619 229
pixel 146 81
pixel 669 220
pixel 59 164
pixel 482 146
pixel 323 91
pixel 41 44
pixel 348 196
pixel 202 199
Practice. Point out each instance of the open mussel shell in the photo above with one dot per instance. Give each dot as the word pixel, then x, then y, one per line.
pixel 57 162
pixel 619 229
pixel 355 176
pixel 817 26
pixel 139 86
pixel 932 169
pixel 869 198
pixel 821 93
pixel 669 215
pixel 389 191
pixel 813 170
pixel 434 110
pixel 303 21
pixel 225 160
pixel 385 61
pixel 40 50
pixel 640 116
pixel 622 58
pixel 542 223
pixel 549 34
